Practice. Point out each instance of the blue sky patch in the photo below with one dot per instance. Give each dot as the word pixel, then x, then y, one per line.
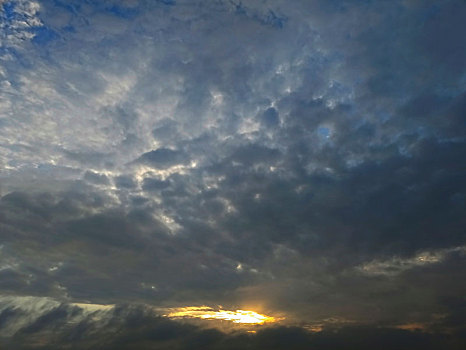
pixel 324 131
pixel 44 35
pixel 9 9
pixel 123 12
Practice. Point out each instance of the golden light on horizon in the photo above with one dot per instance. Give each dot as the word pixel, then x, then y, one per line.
pixel 412 326
pixel 208 313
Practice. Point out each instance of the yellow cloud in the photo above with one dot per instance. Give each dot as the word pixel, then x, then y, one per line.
pixel 208 313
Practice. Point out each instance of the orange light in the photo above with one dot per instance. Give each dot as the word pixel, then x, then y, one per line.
pixel 208 313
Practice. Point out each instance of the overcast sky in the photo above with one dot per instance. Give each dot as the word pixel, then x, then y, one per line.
pixel 303 159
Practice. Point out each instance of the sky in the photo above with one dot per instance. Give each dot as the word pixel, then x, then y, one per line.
pixel 166 163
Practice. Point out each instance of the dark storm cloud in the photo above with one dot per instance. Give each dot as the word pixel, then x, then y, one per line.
pixel 81 250
pixel 305 158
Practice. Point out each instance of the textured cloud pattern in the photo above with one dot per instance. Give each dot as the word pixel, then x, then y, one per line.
pixel 304 158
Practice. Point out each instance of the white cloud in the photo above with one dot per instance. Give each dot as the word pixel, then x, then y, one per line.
pixel 18 28
pixel 397 265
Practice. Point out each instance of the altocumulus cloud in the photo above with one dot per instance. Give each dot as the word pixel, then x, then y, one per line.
pixel 303 160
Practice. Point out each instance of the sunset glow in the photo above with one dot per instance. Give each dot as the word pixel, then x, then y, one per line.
pixel 208 313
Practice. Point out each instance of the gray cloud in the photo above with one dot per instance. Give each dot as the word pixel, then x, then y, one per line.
pixel 298 158
pixel 24 325
pixel 162 158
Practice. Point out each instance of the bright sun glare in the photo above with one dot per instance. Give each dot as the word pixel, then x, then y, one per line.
pixel 208 313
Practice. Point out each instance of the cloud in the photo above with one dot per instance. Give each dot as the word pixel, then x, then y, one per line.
pixel 162 158
pixel 124 182
pixel 397 265
pixel 96 178
pixel 124 327
pixel 317 146
pixel 20 22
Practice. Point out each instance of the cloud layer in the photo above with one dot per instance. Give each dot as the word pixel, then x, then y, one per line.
pixel 42 323
pixel 305 159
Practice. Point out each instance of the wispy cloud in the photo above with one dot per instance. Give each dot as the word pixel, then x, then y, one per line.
pixel 397 265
